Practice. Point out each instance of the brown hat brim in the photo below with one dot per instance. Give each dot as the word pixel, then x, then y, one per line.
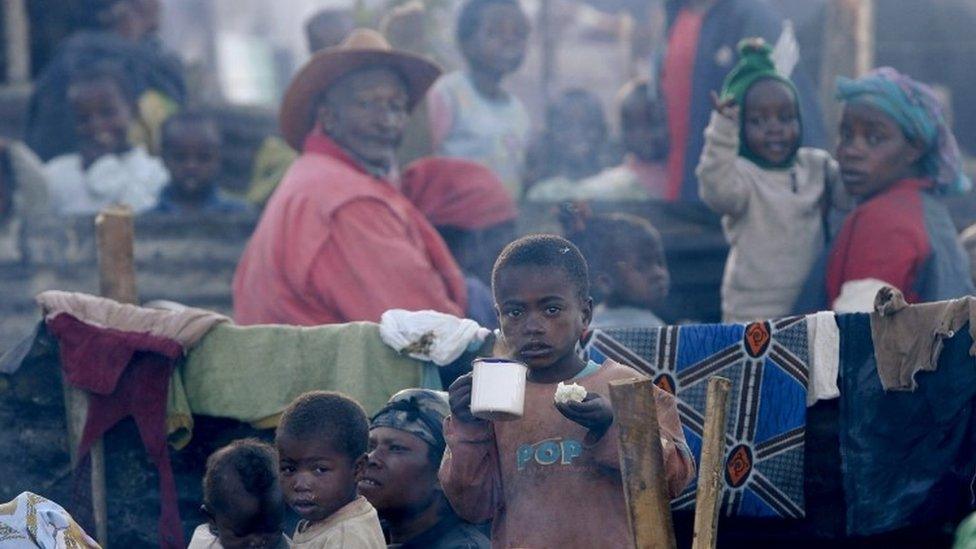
pixel 326 67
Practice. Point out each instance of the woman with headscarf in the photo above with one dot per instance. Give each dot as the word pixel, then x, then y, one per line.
pixel 406 444
pixel 896 153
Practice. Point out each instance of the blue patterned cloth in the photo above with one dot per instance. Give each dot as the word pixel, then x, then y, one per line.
pixel 768 367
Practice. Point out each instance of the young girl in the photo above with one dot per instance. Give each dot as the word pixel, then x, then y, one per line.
pixel 896 152
pixel 773 195
pixel 107 169
pixel 552 477
pixel 471 115
pixel 241 499
pixel 575 140
pixel 628 270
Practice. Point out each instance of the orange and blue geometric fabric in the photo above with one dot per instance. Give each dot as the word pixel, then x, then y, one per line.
pixel 768 367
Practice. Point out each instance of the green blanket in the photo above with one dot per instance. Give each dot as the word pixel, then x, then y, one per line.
pixel 252 373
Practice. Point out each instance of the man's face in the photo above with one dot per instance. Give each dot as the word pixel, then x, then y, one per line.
pixel 191 152
pixel 365 114
pixel 399 478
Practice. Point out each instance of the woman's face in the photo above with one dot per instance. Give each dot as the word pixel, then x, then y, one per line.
pixel 399 477
pixel 873 152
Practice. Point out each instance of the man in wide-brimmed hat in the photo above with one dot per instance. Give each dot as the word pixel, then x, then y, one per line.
pixel 337 242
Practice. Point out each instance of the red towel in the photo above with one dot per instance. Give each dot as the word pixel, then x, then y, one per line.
pixel 126 374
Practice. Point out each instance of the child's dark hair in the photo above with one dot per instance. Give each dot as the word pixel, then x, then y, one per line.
pixel 604 238
pixel 105 71
pixel 255 464
pixel 188 117
pixel 330 415
pixel 638 88
pixel 470 16
pixel 545 250
pixel 579 96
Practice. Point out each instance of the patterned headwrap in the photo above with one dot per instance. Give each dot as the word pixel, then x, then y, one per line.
pixel 420 412
pixel 919 113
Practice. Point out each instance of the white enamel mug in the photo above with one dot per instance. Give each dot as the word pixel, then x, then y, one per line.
pixel 498 389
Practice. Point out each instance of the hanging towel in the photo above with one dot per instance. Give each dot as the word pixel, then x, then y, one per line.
pixel 909 338
pixel 251 373
pixel 823 338
pixel 430 335
pixel 185 325
pixel 768 366
pixel 125 374
pixel 908 459
pixel 30 520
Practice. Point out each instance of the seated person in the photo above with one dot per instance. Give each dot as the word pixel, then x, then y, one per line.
pixel 321 441
pixel 628 270
pixel 107 169
pixel 643 175
pixel 474 213
pixel 575 140
pixel 242 499
pixel 192 154
pixel 406 444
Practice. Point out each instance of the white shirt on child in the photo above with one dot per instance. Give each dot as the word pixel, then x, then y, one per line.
pixel 134 178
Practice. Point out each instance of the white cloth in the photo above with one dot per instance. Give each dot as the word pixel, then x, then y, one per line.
pixel 857 296
pixel 428 335
pixel 33 521
pixel 203 538
pixel 134 178
pixel 823 340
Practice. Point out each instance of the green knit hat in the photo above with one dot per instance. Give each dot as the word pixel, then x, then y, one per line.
pixel 755 63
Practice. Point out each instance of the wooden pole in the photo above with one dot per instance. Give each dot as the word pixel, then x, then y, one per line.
pixel 114 237
pixel 17 37
pixel 642 464
pixel 710 477
pixel 865 37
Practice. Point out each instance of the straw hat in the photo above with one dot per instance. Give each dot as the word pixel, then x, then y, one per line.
pixel 363 48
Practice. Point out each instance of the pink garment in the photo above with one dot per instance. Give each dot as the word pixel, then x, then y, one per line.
pixel 337 245
pixel 543 479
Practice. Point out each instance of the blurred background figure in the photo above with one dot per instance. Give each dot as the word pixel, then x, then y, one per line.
pixel 328 28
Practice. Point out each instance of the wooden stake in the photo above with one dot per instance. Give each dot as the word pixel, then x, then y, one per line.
pixel 114 236
pixel 17 36
pixel 642 464
pixel 710 476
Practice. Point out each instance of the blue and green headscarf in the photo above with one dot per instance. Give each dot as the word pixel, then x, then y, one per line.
pixel 918 112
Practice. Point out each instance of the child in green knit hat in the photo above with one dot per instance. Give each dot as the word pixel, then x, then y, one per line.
pixel 773 195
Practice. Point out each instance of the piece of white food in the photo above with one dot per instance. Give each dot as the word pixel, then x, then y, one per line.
pixel 569 393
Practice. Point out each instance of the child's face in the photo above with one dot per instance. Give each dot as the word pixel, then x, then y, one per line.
pixel 498 45
pixel 399 478
pixel 101 117
pixel 542 315
pixel 577 133
pixel 192 156
pixel 643 128
pixel 316 479
pixel 770 121
pixel 873 152
pixel 642 278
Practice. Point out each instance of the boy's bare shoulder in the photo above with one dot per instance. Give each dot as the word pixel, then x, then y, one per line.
pixel 614 371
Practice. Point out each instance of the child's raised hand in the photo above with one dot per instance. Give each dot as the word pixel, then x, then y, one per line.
pixel 594 413
pixel 726 107
pixel 459 396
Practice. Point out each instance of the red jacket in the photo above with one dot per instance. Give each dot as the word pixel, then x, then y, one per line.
pixel 336 244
